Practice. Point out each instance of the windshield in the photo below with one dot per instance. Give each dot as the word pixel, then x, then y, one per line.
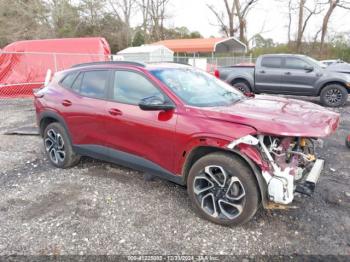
pixel 197 88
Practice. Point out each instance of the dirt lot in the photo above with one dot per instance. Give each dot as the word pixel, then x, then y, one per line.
pixel 99 208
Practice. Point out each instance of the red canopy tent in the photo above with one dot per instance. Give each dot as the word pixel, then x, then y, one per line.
pixel 23 64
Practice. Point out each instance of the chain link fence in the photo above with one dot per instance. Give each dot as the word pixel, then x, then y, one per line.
pixel 21 72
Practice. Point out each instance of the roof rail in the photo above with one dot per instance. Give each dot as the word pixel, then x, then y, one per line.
pixel 110 63
pixel 171 62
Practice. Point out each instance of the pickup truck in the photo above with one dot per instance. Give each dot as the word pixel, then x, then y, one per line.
pixel 289 75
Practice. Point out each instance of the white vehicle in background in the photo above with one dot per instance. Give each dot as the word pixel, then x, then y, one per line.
pixel 326 63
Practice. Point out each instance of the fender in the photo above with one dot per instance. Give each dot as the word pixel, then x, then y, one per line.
pixel 324 82
pixel 53 115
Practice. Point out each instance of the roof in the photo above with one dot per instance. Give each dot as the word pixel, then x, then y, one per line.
pixel 127 64
pixel 204 45
pixel 143 49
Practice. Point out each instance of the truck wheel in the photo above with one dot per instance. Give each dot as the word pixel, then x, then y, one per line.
pixel 58 147
pixel 242 86
pixel 223 189
pixel 334 95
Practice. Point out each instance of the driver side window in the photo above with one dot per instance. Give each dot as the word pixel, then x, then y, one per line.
pixel 296 63
pixel 130 88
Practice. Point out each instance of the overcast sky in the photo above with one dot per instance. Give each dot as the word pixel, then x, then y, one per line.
pixel 269 17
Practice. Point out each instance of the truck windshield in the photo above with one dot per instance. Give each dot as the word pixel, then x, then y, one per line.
pixel 197 88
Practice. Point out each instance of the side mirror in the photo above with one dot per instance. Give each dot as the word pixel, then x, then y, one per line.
pixel 309 68
pixel 155 103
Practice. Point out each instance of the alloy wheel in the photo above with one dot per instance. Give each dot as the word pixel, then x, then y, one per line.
pixel 334 96
pixel 54 145
pixel 219 194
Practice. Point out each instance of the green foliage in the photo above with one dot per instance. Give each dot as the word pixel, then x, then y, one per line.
pixel 139 39
pixel 180 33
pixel 338 48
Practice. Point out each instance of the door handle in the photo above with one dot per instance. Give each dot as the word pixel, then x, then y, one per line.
pixel 288 73
pixel 66 103
pixel 115 112
pixel 262 72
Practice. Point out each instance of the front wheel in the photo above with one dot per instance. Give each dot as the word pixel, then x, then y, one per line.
pixel 223 189
pixel 334 95
pixel 58 147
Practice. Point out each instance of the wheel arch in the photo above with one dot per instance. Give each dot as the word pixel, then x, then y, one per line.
pixel 201 151
pixel 335 82
pixel 243 79
pixel 47 118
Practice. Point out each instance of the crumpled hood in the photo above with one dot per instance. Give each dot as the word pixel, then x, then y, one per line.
pixel 279 116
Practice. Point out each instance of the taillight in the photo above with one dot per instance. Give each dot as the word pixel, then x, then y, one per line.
pixel 216 73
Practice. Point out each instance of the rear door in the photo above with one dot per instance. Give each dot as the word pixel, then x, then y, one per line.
pixel 268 74
pixel 84 107
pixel 298 78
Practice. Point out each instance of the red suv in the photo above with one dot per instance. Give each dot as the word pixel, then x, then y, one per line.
pixel 176 122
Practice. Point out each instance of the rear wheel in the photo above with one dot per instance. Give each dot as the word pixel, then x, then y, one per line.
pixel 223 189
pixel 58 146
pixel 242 86
pixel 334 95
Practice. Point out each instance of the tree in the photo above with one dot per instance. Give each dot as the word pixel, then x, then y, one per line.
pixel 306 9
pixel 180 33
pixel 227 27
pixel 157 13
pixel 242 10
pixel 65 18
pixel 23 20
pixel 261 42
pixel 144 7
pixel 139 38
pixel 235 11
pixel 332 4
pixel 123 9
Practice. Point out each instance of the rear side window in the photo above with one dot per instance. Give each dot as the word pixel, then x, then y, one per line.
pixel 77 83
pixel 92 83
pixel 296 63
pixel 272 62
pixel 68 80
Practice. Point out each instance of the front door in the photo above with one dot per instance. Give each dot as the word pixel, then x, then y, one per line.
pixel 299 77
pixel 149 135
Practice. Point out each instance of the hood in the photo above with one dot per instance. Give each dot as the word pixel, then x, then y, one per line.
pixel 279 116
pixel 339 67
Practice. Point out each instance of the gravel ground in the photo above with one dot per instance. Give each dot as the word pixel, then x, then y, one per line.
pixel 99 208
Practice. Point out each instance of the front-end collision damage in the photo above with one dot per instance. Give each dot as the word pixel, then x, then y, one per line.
pixel 287 164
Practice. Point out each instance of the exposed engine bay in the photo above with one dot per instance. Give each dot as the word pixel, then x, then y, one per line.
pixel 292 164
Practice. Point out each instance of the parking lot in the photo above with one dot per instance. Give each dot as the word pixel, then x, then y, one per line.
pixel 100 208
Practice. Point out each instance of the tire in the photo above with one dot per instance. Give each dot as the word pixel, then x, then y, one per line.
pixel 242 86
pixel 334 95
pixel 208 194
pixel 58 147
pixel 347 141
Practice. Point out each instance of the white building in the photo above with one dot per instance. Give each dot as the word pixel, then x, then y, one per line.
pixel 146 54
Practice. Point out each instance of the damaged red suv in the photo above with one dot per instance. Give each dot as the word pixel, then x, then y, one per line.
pixel 173 121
